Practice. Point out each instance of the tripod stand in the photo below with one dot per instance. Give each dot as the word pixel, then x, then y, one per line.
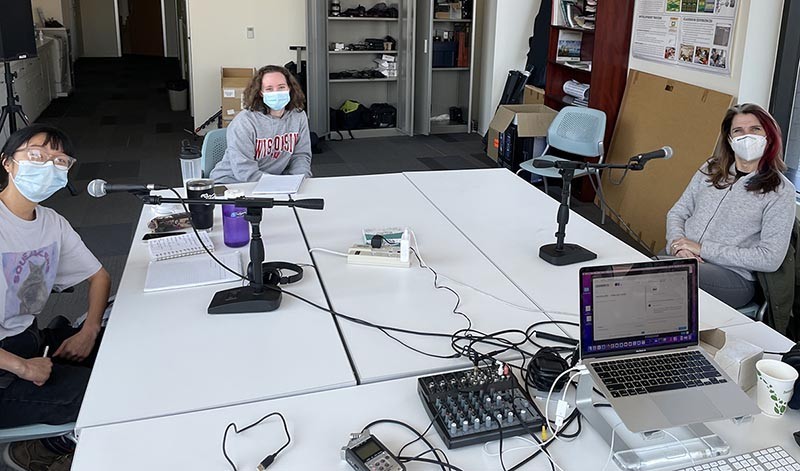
pixel 11 109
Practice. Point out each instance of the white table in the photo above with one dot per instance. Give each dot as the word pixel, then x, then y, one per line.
pixel 320 424
pixel 404 297
pixel 162 354
pixel 508 220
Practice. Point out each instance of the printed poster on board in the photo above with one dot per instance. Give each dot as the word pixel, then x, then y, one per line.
pixel 688 33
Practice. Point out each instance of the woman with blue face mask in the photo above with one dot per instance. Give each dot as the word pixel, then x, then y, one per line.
pixel 737 213
pixel 40 252
pixel 270 135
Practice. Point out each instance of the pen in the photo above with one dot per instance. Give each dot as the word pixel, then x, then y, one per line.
pixel 46 350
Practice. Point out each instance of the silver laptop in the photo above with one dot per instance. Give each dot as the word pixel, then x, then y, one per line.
pixel 639 341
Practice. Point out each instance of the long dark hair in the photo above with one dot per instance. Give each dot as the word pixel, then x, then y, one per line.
pixel 253 100
pixel 770 167
pixel 54 137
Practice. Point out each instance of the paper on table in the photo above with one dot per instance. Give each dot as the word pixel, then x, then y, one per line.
pixel 271 184
pixel 187 272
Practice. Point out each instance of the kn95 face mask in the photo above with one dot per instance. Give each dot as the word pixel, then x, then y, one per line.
pixel 749 147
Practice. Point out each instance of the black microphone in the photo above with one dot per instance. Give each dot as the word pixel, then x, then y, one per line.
pixel 99 188
pixel 663 153
pixel 311 203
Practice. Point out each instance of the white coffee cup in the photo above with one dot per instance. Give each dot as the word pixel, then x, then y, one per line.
pixel 775 386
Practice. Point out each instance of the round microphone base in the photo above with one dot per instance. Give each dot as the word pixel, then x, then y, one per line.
pixel 569 254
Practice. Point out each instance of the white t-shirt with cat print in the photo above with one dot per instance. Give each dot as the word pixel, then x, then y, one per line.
pixel 37 256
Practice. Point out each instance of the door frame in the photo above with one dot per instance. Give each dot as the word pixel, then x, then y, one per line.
pixel 116 27
pixel 163 28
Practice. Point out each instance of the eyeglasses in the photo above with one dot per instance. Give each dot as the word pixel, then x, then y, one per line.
pixel 39 156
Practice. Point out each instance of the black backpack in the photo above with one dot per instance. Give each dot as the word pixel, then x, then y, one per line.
pixel 383 115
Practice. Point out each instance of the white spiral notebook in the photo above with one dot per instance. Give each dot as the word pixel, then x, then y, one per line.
pixel 189 272
pixel 179 246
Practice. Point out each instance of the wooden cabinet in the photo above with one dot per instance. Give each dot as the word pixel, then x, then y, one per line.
pixel 607 47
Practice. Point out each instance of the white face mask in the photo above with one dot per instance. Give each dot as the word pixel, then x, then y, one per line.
pixel 749 147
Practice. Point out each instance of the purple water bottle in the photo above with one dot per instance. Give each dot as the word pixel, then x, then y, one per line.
pixel 235 228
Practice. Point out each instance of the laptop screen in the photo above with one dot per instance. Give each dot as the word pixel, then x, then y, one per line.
pixel 638 307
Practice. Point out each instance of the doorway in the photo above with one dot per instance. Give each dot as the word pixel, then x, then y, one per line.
pixel 140 26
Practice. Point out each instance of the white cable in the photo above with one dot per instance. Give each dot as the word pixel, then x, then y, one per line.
pixel 550 393
pixel 318 249
pixel 501 300
pixel 683 445
pixel 517 306
pixel 532 443
pixel 611 450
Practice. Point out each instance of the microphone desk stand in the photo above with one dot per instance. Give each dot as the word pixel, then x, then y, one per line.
pixel 562 253
pixel 256 296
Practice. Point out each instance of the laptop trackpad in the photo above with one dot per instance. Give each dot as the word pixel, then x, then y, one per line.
pixel 686 407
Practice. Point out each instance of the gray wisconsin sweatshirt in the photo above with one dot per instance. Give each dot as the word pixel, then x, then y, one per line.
pixel 261 143
pixel 744 231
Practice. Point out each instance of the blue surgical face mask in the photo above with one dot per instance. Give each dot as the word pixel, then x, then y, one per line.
pixel 38 182
pixel 277 100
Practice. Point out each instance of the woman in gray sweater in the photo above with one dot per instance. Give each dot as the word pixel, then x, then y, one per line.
pixel 737 212
pixel 271 134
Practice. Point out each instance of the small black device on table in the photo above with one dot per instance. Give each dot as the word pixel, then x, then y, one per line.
pixel 474 406
pixel 364 452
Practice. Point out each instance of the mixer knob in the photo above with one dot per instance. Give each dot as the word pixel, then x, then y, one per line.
pixel 510 417
pixel 453 428
pixel 465 426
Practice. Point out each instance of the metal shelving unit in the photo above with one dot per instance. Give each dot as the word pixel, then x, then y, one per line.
pixel 325 93
pixel 437 89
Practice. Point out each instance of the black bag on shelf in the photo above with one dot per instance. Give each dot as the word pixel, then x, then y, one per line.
pixel 383 115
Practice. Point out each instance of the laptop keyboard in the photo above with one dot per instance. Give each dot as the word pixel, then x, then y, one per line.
pixel 656 373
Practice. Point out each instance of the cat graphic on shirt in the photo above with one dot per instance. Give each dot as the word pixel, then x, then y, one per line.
pixel 29 278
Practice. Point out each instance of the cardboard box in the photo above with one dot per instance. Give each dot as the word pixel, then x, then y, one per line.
pixel 532 121
pixel 533 96
pixel 234 81
pixel 735 356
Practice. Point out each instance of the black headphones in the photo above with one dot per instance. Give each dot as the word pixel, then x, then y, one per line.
pixel 273 273
pixel 545 366
pixel 792 358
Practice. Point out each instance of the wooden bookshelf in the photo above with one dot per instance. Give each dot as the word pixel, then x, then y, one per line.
pixel 607 46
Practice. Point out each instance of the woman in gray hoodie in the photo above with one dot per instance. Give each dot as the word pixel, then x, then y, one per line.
pixel 736 214
pixel 271 134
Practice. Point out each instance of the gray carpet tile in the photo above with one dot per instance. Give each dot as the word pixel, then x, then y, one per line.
pixel 107 240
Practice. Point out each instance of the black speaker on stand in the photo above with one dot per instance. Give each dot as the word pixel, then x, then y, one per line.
pixel 17 41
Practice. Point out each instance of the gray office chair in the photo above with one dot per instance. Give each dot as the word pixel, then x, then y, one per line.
pixel 214 145
pixel 35 431
pixel 579 131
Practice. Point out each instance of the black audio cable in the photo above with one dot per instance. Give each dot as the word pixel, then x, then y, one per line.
pixel 270 458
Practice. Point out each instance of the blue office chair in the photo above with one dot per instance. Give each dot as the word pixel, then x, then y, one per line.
pixel 35 431
pixel 214 145
pixel 576 130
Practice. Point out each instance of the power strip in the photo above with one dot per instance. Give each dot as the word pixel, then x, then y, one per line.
pixel 387 256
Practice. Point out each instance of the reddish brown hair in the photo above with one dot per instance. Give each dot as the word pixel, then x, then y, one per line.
pixel 770 167
pixel 253 100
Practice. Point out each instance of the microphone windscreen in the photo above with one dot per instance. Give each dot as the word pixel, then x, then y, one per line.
pixel 543 163
pixel 96 188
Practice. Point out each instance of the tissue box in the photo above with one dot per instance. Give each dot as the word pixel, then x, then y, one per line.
pixel 736 357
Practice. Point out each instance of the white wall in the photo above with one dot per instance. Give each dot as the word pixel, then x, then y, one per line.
pixel 504 48
pixel 99 28
pixel 218 38
pixel 755 48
